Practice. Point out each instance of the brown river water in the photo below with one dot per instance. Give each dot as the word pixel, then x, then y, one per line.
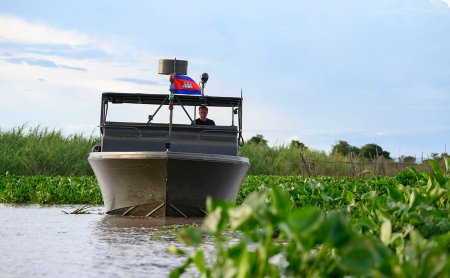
pixel 43 241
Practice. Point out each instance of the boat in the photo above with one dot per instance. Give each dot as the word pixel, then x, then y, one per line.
pixel 168 169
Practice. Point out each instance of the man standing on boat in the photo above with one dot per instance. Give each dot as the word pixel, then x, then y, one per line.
pixel 203 112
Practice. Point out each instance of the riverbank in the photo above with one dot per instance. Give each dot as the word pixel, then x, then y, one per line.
pixel 34 151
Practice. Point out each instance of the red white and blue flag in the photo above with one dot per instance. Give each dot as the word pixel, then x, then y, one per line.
pixel 184 85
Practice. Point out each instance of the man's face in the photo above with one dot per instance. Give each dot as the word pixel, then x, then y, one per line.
pixel 203 113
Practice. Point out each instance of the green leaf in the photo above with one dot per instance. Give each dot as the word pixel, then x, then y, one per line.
pixel 244 264
pixel 435 166
pixel 417 239
pixel 229 269
pixel 239 216
pixel 414 201
pixel 447 163
pixel 415 219
pixel 336 230
pixel 386 232
pixel 281 202
pixel 191 236
pixel 350 197
pixel 435 194
pixel 395 193
pixel 382 215
pixel 256 200
pixel 213 220
pixel 369 195
pixel 199 261
pixel 398 241
pixel 326 198
pixel 360 257
pixel 175 273
pixel 217 219
pixel 175 250
pixel 440 179
pixel 367 222
pixel 303 220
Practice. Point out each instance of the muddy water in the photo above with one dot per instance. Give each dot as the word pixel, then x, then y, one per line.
pixel 43 241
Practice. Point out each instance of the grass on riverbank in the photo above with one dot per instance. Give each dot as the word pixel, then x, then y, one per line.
pixel 293 161
pixel 40 151
pixel 45 152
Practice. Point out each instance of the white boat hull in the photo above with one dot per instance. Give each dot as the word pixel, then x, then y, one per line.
pixel 165 183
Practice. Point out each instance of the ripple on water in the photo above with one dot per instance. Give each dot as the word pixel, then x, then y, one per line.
pixel 37 241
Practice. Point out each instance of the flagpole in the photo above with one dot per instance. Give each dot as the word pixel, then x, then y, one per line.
pixel 171 97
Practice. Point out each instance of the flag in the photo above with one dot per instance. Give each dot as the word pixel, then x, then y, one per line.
pixel 184 85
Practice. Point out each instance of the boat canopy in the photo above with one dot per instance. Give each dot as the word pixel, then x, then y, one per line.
pixel 186 100
pixel 131 136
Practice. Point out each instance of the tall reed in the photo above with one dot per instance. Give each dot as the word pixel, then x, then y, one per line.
pixel 285 160
pixel 41 151
pixel 293 161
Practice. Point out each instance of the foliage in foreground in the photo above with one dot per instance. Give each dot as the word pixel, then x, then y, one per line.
pixel 390 230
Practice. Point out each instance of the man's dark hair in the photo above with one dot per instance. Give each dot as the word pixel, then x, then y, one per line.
pixel 203 107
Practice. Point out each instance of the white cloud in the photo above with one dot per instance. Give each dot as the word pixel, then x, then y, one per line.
pixel 45 87
pixel 15 29
pixel 67 68
pixel 446 2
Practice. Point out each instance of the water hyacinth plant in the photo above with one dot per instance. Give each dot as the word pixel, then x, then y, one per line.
pixel 380 230
pixel 49 190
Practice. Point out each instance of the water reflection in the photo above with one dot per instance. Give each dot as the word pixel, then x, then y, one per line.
pixel 45 242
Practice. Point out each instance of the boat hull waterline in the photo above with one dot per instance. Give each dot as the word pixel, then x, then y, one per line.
pixel 161 184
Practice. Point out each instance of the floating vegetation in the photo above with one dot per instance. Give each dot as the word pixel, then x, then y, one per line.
pixel 81 210
pixel 169 231
pixel 49 190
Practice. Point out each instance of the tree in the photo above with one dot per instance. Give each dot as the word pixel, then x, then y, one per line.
pixel 434 156
pixel 408 159
pixel 344 148
pixel 258 139
pixel 295 144
pixel 354 150
pixel 373 151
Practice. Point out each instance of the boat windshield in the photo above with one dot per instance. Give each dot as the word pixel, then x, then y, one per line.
pixel 127 112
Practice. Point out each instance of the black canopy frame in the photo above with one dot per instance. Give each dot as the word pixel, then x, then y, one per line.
pixel 180 100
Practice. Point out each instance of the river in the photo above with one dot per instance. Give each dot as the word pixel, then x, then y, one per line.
pixel 43 241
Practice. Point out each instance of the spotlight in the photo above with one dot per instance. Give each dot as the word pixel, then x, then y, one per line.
pixel 205 77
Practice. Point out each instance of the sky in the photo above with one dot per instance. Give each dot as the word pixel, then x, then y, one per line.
pixel 314 71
